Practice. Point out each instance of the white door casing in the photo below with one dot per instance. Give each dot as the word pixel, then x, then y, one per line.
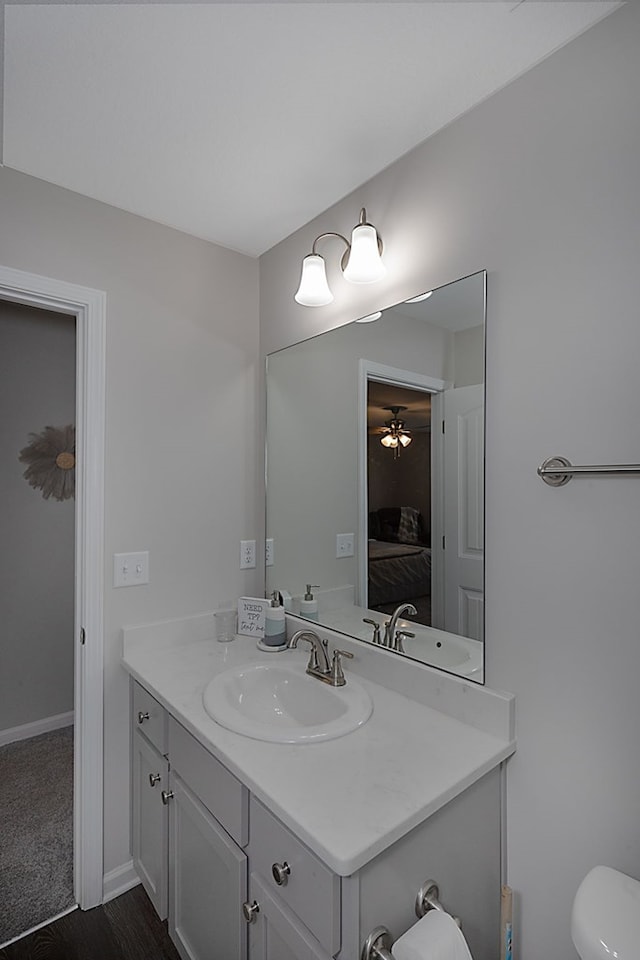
pixel 89 308
pixel 463 414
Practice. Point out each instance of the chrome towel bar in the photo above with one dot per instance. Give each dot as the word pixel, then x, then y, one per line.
pixel 556 471
pixel 378 944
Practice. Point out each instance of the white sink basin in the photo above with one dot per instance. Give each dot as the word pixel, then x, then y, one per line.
pixel 449 651
pixel 279 702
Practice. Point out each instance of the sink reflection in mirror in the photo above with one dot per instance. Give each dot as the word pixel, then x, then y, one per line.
pixel 375 473
pixel 280 703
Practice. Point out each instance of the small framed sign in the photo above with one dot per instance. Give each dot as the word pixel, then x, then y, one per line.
pixel 251 614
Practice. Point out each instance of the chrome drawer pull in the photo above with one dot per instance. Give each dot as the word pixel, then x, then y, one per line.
pixel 142 716
pixel 250 910
pixel 166 796
pixel 154 778
pixel 281 872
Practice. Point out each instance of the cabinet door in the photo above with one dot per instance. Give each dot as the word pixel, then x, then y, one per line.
pixel 150 821
pixel 207 882
pixel 275 933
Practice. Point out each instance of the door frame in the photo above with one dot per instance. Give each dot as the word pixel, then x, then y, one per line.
pixel 89 308
pixel 383 373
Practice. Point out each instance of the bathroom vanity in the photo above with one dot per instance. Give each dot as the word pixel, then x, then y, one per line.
pixel 289 851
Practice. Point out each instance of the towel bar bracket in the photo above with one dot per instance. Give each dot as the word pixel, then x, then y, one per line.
pixel 378 945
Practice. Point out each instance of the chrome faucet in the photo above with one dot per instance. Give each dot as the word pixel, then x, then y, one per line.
pixel 318 665
pixel 391 638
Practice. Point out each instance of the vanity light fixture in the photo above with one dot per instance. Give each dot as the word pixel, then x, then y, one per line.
pixel 370 317
pixel 395 436
pixel 420 298
pixel 361 263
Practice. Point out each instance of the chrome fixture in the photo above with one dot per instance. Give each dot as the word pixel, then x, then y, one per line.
pixel 376 630
pixel 395 436
pixel 378 944
pixel 360 263
pixel 401 635
pixel 556 471
pixel 318 665
pixel 391 639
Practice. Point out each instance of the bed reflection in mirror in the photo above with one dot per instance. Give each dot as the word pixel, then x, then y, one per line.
pixel 375 476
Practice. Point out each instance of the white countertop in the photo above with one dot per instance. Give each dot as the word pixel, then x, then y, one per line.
pixel 348 799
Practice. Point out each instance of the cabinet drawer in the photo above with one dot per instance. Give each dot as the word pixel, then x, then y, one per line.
pixel 311 890
pixel 149 717
pixel 221 793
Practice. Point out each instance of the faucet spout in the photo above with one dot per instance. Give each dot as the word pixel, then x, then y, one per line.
pixel 319 661
pixel 390 629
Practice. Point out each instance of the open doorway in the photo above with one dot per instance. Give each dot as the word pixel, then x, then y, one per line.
pixel 37 474
pixel 88 308
pixel 399 493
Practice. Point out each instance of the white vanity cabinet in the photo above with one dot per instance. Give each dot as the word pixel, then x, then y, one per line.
pixel 150 777
pixel 208 827
pixel 240 885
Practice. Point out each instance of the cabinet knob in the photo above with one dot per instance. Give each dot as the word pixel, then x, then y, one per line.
pixel 281 873
pixel 250 910
pixel 166 796
pixel 143 716
pixel 154 778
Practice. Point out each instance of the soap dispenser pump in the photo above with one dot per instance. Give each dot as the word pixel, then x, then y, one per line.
pixel 275 630
pixel 309 605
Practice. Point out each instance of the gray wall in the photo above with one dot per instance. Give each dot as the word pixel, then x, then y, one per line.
pixel 540 185
pixel 182 343
pixel 37 389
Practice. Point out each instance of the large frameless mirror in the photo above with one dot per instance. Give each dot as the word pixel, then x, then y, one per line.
pixel 375 477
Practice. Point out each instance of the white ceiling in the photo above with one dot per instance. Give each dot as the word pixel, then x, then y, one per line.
pixel 240 122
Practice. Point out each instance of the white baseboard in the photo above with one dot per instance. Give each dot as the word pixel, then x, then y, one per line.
pixel 27 730
pixel 118 881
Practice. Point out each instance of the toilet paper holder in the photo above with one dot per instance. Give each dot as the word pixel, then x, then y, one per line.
pixel 378 944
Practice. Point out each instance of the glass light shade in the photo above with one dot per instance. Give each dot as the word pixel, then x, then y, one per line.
pixel 313 290
pixel 365 265
pixel 404 439
pixel 389 441
pixel 370 317
pixel 419 299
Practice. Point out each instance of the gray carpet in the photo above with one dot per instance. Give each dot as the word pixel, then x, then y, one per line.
pixel 36 831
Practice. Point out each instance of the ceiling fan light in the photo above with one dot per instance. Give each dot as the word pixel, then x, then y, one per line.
pixel 405 440
pixel 364 264
pixel 313 290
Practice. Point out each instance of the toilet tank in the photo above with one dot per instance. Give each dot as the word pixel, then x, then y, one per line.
pixel 605 920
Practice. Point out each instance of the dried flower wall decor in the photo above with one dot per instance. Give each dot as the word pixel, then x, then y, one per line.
pixel 51 459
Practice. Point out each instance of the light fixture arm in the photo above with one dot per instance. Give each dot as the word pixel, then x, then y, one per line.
pixel 330 234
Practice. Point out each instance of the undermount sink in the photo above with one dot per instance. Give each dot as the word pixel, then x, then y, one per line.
pixel 279 702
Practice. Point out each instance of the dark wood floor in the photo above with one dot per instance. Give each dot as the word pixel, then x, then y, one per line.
pixel 126 928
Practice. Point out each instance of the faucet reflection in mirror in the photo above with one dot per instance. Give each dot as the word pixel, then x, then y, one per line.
pixel 361 263
pixel 325 490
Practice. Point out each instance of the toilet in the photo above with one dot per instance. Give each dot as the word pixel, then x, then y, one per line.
pixel 605 920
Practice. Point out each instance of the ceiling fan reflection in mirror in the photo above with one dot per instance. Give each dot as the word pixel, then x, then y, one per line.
pixel 395 436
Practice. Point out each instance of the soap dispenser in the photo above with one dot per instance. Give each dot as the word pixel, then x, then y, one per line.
pixel 275 630
pixel 309 605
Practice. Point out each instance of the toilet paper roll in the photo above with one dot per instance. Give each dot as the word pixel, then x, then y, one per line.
pixel 435 937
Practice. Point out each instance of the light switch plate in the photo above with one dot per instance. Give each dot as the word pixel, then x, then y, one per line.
pixel 344 544
pixel 130 569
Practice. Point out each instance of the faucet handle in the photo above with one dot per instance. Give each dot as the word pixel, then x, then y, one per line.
pixel 399 637
pixel 376 629
pixel 337 674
